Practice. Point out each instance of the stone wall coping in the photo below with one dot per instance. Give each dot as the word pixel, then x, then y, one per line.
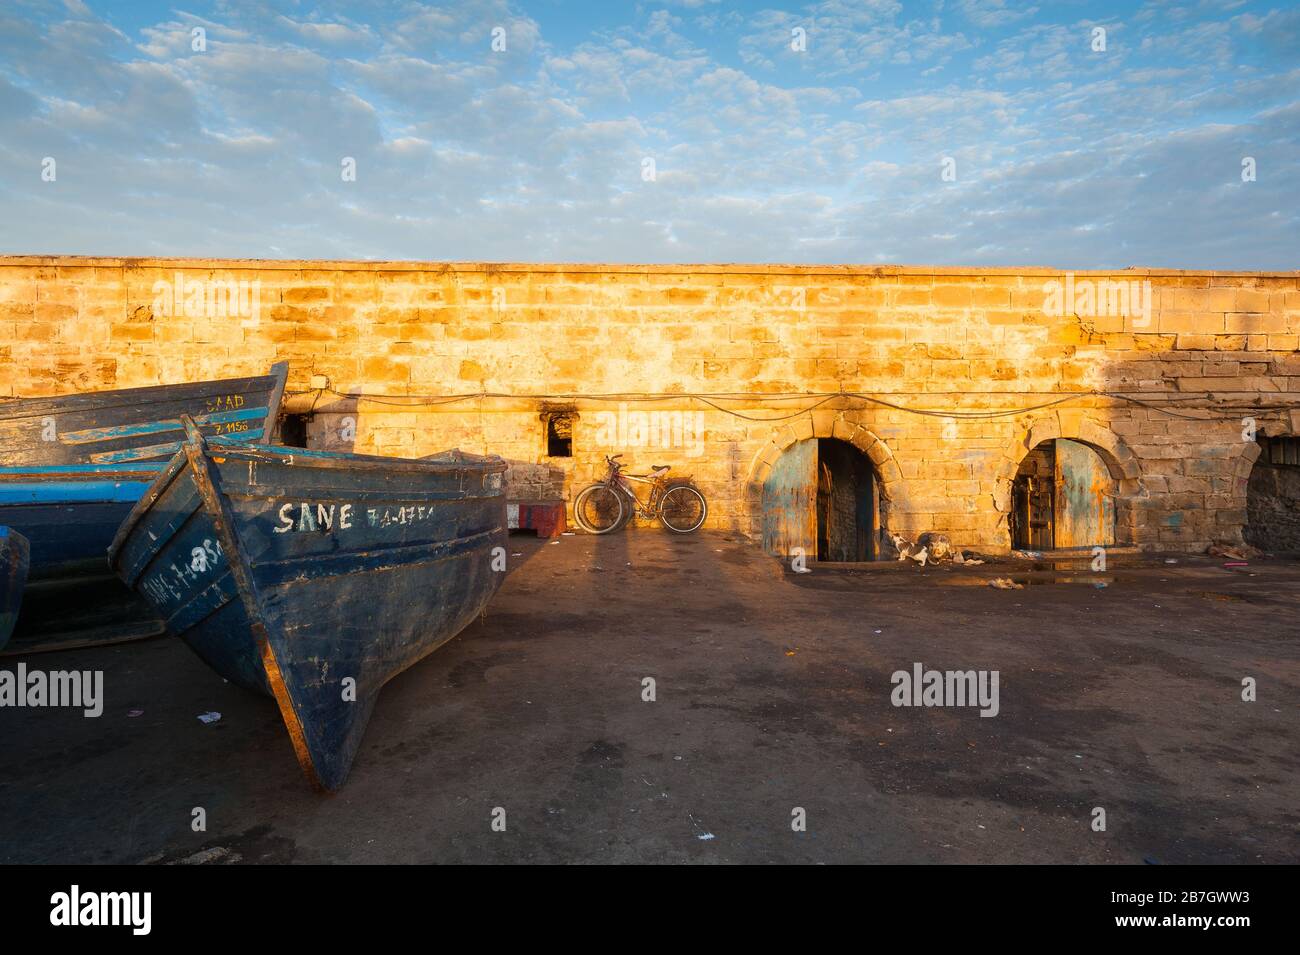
pixel 356 265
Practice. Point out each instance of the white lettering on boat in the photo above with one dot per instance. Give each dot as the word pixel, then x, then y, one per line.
pixel 387 516
pixel 173 581
pixel 312 517
pixel 307 516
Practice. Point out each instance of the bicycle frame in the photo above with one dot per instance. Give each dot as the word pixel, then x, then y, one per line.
pixel 623 486
pixel 622 483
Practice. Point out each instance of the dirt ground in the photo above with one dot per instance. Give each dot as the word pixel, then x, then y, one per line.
pixel 772 692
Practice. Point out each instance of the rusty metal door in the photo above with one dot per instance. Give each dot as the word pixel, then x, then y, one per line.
pixel 1085 505
pixel 790 502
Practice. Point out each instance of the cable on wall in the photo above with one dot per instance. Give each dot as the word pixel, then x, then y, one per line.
pixel 1155 401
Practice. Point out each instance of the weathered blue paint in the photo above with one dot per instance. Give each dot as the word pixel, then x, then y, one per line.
pixel 13 578
pixel 289 572
pixel 28 485
pixel 790 502
pixel 150 452
pixel 91 435
pixel 1085 506
pixel 107 427
pixel 72 467
pixel 54 471
pixel 70 515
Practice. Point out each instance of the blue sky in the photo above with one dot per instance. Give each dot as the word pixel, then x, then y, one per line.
pixel 1064 155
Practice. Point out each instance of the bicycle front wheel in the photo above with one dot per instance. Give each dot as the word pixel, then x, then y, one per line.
pixel 683 509
pixel 598 509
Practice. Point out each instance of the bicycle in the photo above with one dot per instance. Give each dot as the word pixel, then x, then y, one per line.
pixel 610 503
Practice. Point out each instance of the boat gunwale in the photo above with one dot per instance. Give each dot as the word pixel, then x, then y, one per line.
pixel 350 460
pixel 102 472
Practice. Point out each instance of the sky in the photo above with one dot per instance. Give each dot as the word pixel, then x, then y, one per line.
pixel 950 132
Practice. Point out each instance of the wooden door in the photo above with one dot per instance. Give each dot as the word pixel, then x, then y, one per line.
pixel 1085 506
pixel 1032 513
pixel 790 502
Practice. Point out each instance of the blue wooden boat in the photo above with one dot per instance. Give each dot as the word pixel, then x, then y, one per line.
pixel 70 512
pixel 13 576
pixel 315 576
pixel 71 469
pixel 136 424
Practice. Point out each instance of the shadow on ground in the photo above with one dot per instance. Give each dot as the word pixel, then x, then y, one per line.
pixel 772 692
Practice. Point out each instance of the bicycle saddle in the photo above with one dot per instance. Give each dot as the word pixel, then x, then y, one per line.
pixel 661 468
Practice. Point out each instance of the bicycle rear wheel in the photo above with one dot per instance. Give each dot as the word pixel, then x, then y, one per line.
pixel 598 509
pixel 682 509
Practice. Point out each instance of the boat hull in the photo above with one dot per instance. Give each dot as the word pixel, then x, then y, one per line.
pixel 70 513
pixel 13 578
pixel 71 470
pixel 316 577
pixel 136 424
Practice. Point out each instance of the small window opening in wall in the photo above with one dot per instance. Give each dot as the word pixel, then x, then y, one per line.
pixel 559 435
pixel 293 430
pixel 1281 451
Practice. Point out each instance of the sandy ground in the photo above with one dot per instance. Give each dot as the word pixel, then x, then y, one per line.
pixel 772 692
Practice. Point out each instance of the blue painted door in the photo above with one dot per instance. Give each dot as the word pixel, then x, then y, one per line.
pixel 790 502
pixel 1085 503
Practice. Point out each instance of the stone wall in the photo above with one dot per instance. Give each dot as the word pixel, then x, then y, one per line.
pixel 518 339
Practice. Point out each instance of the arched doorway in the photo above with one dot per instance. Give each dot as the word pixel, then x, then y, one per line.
pixel 1273 496
pixel 821 499
pixel 1063 497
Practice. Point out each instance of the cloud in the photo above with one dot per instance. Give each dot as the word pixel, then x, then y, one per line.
pixel 762 153
pixel 994 13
